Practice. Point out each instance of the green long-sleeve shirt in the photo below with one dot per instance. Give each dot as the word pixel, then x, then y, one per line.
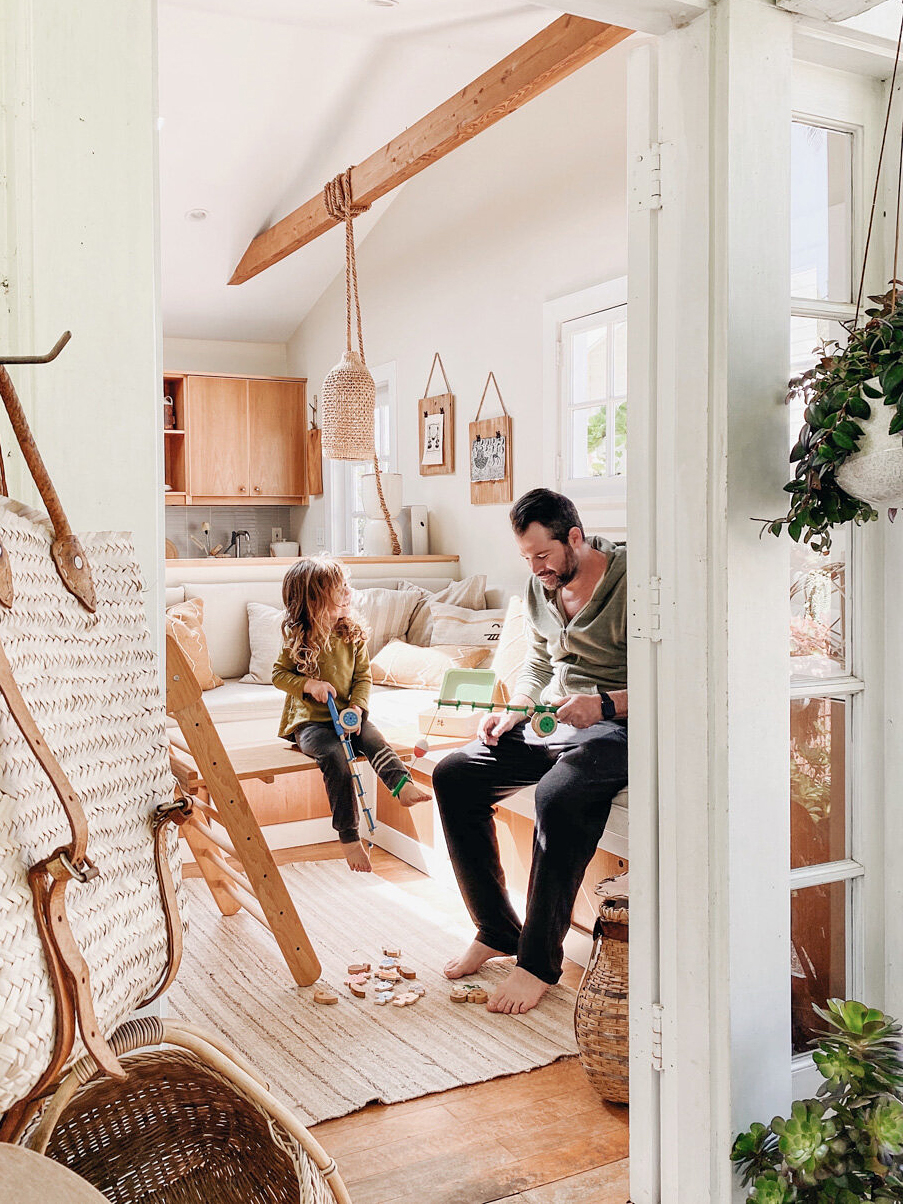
pixel 587 652
pixel 346 666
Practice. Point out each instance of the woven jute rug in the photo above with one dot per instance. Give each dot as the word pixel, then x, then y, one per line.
pixel 327 1061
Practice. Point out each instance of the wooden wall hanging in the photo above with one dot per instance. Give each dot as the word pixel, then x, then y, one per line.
pixel 436 421
pixel 490 454
pixel 314 455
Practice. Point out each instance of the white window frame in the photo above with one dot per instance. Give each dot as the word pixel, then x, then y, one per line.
pixel 342 471
pixel 602 501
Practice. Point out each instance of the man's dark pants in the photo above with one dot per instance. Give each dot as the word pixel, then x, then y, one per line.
pixel 577 773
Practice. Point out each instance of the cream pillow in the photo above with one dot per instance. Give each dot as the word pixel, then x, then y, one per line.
pixel 514 644
pixel 265 638
pixel 385 613
pixel 471 592
pixel 460 625
pixel 414 668
pixel 185 623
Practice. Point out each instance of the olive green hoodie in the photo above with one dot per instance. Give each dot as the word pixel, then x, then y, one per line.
pixel 586 653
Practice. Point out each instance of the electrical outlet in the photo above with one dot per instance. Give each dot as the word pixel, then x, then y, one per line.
pixel 321 537
pixel 275 535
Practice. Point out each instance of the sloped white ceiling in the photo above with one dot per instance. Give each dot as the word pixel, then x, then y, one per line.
pixel 262 101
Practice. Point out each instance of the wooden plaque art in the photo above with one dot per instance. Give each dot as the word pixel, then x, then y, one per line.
pixel 490 454
pixel 436 423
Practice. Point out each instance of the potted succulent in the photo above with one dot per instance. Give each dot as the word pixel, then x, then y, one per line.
pixel 849 455
pixel 846 1145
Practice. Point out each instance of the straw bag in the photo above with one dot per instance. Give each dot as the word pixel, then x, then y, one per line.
pixel 190 1124
pixel 89 892
pixel 601 1014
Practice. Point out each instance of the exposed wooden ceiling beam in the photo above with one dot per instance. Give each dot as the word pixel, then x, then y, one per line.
pixel 553 54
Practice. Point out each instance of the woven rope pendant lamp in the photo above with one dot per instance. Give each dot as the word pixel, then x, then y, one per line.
pixel 348 396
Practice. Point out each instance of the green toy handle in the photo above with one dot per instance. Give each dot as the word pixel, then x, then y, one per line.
pixel 541 708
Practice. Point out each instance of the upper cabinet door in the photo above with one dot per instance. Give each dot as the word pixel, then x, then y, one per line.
pixel 278 439
pixel 218 436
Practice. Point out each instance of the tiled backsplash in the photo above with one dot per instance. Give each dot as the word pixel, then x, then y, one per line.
pixel 259 521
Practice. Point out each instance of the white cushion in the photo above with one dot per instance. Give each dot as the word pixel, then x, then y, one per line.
pixel 459 625
pixel 386 613
pixel 397 708
pixel 226 620
pixel 238 700
pixel 266 640
pixel 174 594
pixel 471 592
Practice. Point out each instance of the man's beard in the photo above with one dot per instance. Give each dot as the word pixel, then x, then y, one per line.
pixel 567 574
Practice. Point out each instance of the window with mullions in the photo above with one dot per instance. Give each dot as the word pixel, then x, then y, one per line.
pixel 348 517
pixel 594 401
pixel 825 876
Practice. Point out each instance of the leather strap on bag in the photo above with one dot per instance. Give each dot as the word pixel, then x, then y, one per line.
pixel 68 554
pixel 177 812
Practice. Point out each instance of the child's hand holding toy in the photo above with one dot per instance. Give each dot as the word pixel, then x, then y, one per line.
pixel 319 690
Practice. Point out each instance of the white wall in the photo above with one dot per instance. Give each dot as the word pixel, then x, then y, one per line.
pixel 531 209
pixel 209 355
pixel 78 192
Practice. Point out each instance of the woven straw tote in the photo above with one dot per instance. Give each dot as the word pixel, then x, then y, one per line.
pixel 190 1124
pixel 601 1014
pixel 90 892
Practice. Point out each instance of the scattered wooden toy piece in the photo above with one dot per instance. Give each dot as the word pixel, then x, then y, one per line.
pixel 324 995
pixel 403 1001
pixel 478 995
pixel 390 975
pixel 418 991
pixel 358 991
pixel 388 962
pixel 391 952
pixel 357 979
pixel 458 995
pixel 359 968
pixel 407 972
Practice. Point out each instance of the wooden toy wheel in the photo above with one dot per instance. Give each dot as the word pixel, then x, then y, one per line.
pixel 543 723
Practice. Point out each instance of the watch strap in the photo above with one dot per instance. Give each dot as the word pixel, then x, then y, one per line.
pixel 608 706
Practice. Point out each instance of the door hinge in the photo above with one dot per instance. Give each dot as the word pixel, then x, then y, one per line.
pixel 657 1059
pixel 645 185
pixel 648 611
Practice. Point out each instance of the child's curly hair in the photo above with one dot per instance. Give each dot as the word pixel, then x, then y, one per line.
pixel 308 589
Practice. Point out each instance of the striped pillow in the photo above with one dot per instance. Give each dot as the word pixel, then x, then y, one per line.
pixel 411 667
pixel 460 625
pixel 385 613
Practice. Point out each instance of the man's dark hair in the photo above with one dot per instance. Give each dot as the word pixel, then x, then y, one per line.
pixel 551 510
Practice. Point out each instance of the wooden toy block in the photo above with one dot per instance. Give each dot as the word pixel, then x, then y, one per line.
pixel 390 975
pixel 407 972
pixel 459 994
pixel 357 980
pixel 324 995
pixel 478 995
pixel 391 952
pixel 359 992
pixel 359 968
pixel 403 1001
pixel 382 1000
pixel 388 962
pixel 418 991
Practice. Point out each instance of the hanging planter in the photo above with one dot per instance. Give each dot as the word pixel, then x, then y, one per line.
pixel 849 455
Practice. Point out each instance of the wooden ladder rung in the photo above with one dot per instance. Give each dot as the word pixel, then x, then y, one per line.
pixel 206 832
pixel 247 901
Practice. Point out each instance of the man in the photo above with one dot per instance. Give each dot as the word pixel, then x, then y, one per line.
pixel 576 604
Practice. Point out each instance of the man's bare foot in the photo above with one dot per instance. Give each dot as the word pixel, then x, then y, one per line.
pixel 520 992
pixel 470 960
pixel 356 856
pixel 411 793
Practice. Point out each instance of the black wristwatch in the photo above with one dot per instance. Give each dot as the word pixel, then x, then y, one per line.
pixel 608 706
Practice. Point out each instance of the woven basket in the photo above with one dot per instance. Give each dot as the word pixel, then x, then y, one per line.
pixel 347 401
pixel 601 1015
pixel 188 1126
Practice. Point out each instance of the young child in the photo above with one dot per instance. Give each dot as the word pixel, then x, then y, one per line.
pixel 325 653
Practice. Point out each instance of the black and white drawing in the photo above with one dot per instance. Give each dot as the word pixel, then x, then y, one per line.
pixel 433 439
pixel 487 459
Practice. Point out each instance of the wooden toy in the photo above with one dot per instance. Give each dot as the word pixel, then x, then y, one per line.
pixel 324 995
pixel 403 1001
pixel 478 995
pixel 350 720
pixel 468 992
pixel 382 1000
pixel 350 756
pixel 421 747
pixel 357 990
pixel 388 962
pixel 418 990
pixel 544 723
pixel 407 972
pixel 459 994
pixel 391 952
pixel 359 968
pixel 356 980
pixel 390 975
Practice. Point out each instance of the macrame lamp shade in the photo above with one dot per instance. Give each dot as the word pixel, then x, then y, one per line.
pixel 348 400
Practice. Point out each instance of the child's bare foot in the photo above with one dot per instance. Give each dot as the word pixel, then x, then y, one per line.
pixel 411 793
pixel 520 992
pixel 357 857
pixel 470 960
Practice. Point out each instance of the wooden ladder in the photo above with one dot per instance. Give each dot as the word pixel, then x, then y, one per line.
pixel 257 886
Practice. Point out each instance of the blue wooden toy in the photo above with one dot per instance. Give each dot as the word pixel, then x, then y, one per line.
pixel 342 731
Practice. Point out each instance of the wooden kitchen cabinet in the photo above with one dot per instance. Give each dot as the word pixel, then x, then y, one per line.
pixel 245 440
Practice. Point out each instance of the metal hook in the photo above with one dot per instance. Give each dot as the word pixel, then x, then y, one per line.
pixel 40 359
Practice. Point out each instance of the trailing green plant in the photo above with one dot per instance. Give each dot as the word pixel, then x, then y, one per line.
pixel 837 394
pixel 847 1144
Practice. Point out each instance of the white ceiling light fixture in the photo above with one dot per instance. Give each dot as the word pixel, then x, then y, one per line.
pixel 197 215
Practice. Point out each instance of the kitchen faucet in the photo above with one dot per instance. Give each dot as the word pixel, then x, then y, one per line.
pixel 237 537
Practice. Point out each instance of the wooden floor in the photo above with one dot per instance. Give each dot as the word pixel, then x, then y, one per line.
pixel 543 1137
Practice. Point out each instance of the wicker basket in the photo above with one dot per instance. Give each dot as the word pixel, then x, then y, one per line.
pixel 188 1126
pixel 601 1015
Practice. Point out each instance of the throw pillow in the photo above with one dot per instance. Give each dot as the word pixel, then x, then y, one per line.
pixel 471 592
pixel 414 668
pixel 185 622
pixel 514 644
pixel 385 613
pixel 265 638
pixel 459 625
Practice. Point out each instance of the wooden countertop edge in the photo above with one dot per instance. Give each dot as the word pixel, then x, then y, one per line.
pixel 258 560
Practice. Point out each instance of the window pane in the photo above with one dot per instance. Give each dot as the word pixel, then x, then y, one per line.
pixel 818 581
pixel 588 431
pixel 818 970
pixel 817 781
pixel 821 202
pixel 620 451
pixel 589 359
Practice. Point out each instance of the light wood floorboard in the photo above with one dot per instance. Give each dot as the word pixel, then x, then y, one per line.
pixel 542 1137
